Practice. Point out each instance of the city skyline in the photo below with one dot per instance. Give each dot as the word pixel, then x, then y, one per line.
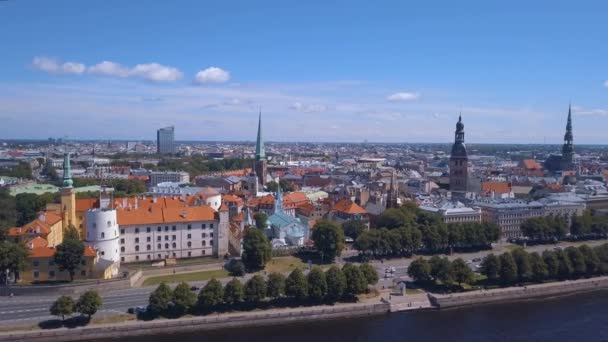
pixel 342 74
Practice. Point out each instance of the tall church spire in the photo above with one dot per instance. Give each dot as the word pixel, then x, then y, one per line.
pixel 67 171
pixel 568 147
pixel 260 152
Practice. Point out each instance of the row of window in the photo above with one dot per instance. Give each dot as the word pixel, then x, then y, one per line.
pixel 36 274
pixel 173 245
pixel 173 228
pixel 159 256
pixel 173 238
pixel 36 262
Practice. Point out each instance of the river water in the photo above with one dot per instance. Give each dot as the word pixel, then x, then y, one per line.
pixel 582 317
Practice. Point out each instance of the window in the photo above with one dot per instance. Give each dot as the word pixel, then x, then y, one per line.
pixel 173 228
pixel 210 225
pixel 166 246
pixel 122 259
pixel 51 262
pixel 204 243
pixel 83 273
pixel 174 245
pixel 189 243
pixel 159 246
pixel 137 257
pixel 137 248
pixel 158 238
pixel 189 226
pixel 35 263
pixel 122 231
pixel 109 224
pixel 52 274
pixel 148 239
pixel 94 225
pixel 159 228
pixel 166 228
pixel 36 274
pixel 166 237
pixel 189 254
pixel 148 229
pixel 103 253
pixel 203 226
pixel 204 235
pixel 189 236
pixel 203 252
pixel 210 235
pixel 122 249
pixel 136 230
pixel 159 256
pixel 136 240
pixel 211 243
pixel 103 235
pixel 173 237
pixel 148 247
pixel 149 257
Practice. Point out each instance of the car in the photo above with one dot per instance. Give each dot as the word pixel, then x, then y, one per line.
pixel 476 260
pixel 558 248
pixel 194 288
pixel 141 309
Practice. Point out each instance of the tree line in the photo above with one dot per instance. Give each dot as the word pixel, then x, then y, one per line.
pixel 87 305
pixel 276 290
pixel 440 270
pixel 555 228
pixel 407 230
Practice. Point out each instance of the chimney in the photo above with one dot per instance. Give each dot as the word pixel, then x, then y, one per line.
pixel 42 217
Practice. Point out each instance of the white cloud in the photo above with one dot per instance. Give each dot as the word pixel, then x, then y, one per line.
pixel 606 84
pixel 156 72
pixel 107 68
pixel 53 66
pixel 402 97
pixel 589 112
pixel 298 106
pixel 212 75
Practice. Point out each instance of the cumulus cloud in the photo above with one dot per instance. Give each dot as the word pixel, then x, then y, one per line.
pixel 589 112
pixel 156 72
pixel 402 97
pixel 300 107
pixel 212 75
pixel 107 68
pixel 53 66
pixel 606 84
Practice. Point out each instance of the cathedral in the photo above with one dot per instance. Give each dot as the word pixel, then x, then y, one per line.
pixel 459 163
pixel 565 161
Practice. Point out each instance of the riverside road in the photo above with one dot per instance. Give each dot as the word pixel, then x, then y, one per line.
pixel 21 310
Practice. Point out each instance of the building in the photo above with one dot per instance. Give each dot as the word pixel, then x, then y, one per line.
pixel 165 140
pixel 454 212
pixel 565 161
pixel 157 177
pixel 459 163
pixel 347 210
pixel 41 265
pixel 102 233
pixel 260 168
pixel 68 195
pixel 509 215
pixel 48 226
pixel 285 229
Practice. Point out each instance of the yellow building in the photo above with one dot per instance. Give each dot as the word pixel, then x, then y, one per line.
pixel 48 226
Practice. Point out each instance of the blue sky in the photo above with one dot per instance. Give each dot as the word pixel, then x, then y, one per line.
pixel 394 71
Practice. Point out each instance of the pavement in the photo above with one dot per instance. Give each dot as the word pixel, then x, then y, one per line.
pixel 23 310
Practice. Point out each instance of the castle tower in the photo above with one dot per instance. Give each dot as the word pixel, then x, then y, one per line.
pixel 102 232
pixel 459 162
pixel 260 155
pixel 68 195
pixel 568 147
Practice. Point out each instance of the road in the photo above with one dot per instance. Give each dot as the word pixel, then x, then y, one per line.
pixel 33 309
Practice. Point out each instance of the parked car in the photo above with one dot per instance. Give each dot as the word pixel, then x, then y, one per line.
pixel 476 260
pixel 194 288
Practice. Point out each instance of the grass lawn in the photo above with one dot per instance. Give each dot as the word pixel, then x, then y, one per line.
pixel 511 247
pixel 187 277
pixel 284 264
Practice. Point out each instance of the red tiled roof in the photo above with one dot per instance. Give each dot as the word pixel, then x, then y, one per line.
pixel 348 207
pixel 164 215
pixel 496 187
pixel 531 164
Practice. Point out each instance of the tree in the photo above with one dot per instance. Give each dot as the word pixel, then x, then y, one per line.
pixel 68 256
pixel 353 228
pixel 158 303
pixel 336 283
pixel 552 263
pixel 329 239
pixel 29 205
pixel 236 268
pixel 272 186
pixel 8 212
pixel 420 270
pixel 71 233
pixel 317 284
pixel 234 292
pixel 490 267
pixel 577 260
pixel 538 267
pixel 88 303
pixel 355 280
pixel 255 289
pixel 370 274
pixel 440 269
pixel 522 260
pixel 296 285
pixel 564 266
pixel 183 299
pixel 261 220
pixel 592 262
pixel 211 295
pixel 13 257
pixel 508 269
pixel 256 250
pixel 461 272
pixel 275 285
pixel 63 306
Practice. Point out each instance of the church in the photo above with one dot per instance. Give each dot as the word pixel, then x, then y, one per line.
pixel 459 163
pixel 565 161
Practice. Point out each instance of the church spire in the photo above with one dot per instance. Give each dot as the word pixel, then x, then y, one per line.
pixel 260 152
pixel 568 136
pixel 67 171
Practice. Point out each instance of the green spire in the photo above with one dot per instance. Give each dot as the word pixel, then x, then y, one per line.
pixel 568 136
pixel 260 152
pixel 67 171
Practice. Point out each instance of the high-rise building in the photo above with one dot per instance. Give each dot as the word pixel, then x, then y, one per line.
pixel 165 140
pixel 459 162
pixel 260 155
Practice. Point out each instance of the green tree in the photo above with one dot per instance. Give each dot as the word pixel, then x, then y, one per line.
pixel 508 269
pixel 275 285
pixel 355 280
pixel 236 268
pixel 29 205
pixel 63 306
pixel 329 239
pixel 261 220
pixel 317 284
pixel 234 292
pixel 71 233
pixel 69 256
pixel 8 212
pixel 211 295
pixel 592 262
pixel 255 289
pixel 158 303
pixel 369 272
pixel 577 260
pixel 272 186
pixel 602 254
pixel 88 303
pixel 540 272
pixel 13 257
pixel 256 250
pixel 440 269
pixel 296 285
pixel 490 267
pixel 420 270
pixel 552 263
pixel 564 266
pixel 353 228
pixel 183 299
pixel 394 218
pixel 522 261
pixel 336 283
pixel 461 272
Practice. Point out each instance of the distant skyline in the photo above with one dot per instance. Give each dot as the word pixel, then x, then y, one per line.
pixel 340 71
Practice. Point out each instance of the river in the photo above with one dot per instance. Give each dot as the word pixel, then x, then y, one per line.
pixel 582 317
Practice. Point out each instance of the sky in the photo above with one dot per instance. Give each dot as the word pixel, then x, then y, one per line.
pixel 382 71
